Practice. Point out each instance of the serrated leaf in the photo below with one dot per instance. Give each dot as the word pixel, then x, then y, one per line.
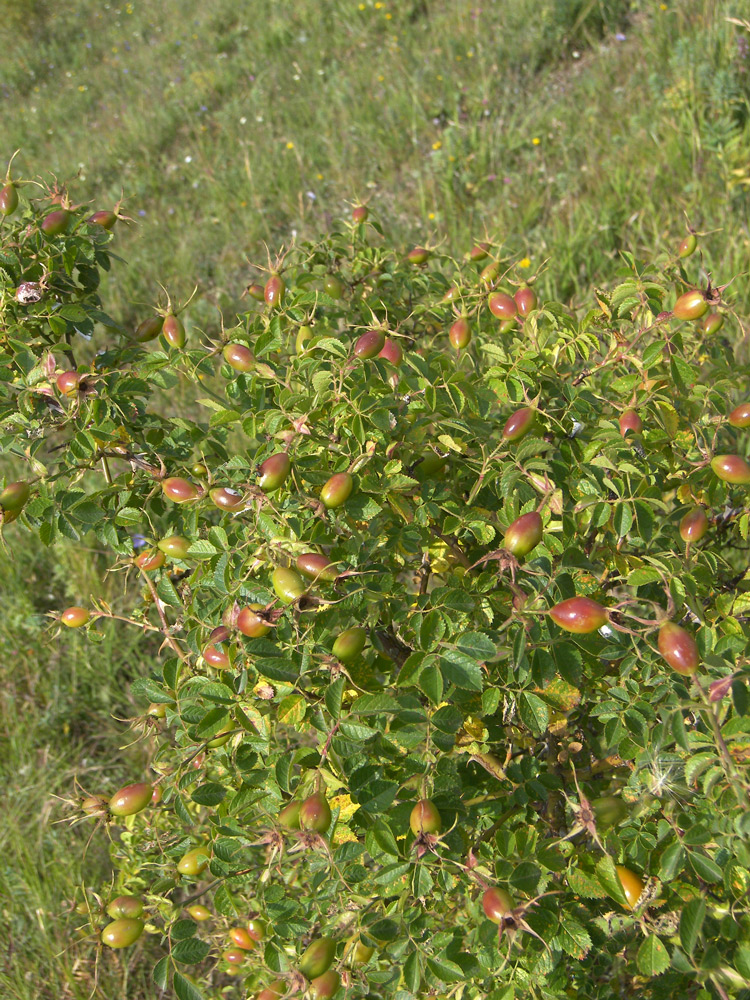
pixel 160 973
pixel 292 710
pixel 191 951
pixel 534 713
pixel 585 885
pixel 184 989
pixel 672 861
pixel 445 970
pixel 610 881
pixel 652 958
pixel 461 670
pixel 691 922
pixel 333 697
pixel 573 938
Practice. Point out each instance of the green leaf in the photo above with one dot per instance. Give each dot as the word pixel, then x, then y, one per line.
pixel 413 972
pixel 160 973
pixel 191 951
pixel 431 630
pixel 333 696
pixel 185 989
pixel 652 958
pixel 460 670
pixel 704 867
pixel 672 861
pixel 431 682
pixel 445 970
pixel 534 713
pixel 691 922
pixel 584 884
pixel 609 879
pixel 166 591
pixel 421 882
pixel 209 794
pixel 573 937
pixel 476 645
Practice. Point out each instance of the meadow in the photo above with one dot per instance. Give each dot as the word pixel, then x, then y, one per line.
pixel 586 128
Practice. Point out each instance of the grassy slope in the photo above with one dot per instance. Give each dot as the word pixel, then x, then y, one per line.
pixel 218 121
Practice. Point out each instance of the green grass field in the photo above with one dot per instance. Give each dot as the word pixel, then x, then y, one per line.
pixel 589 127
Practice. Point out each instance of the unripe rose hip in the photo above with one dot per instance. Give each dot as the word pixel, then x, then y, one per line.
pixel 239 357
pixel 497 904
pixel 693 525
pixel 274 471
pixel 315 813
pixel 502 305
pixel 687 246
pixel 632 885
pixel 349 644
pixel 526 300
pixel 316 567
pixel 369 345
pixel 179 490
pixel 678 648
pixel 173 331
pixel 75 617
pixel 425 818
pixel 740 416
pixel 149 329
pixel 274 290
pixel 460 334
pixel 579 614
pixel 125 906
pixel 122 933
pixel 630 423
pixel 731 469
pixel 174 546
pixel 519 423
pixel 250 623
pixel 690 305
pixel 131 799
pixel 287 584
pixel 317 957
pixel 524 534
pixel 337 490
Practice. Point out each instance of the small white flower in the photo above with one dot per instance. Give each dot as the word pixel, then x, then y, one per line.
pixel 188 159
pixel 243 120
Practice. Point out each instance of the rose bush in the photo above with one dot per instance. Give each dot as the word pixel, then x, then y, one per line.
pixel 449 586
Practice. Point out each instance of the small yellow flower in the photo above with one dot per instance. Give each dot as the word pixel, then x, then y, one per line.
pixel 378 6
pixel 524 263
pixel 319 177
pixel 380 79
pixel 458 58
pixel 437 144
pixel 362 6
pixel 452 159
pixel 536 140
pixel 388 17
pixel 431 215
pixel 662 6
pixel 115 49
pixel 290 145
pixel 243 204
pixel 470 54
pixel 439 76
pixel 82 87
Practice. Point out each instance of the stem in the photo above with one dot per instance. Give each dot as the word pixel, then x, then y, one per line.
pixel 727 761
pixel 165 626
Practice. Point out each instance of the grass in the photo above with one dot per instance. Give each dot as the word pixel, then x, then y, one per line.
pixel 586 127
pixel 590 126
